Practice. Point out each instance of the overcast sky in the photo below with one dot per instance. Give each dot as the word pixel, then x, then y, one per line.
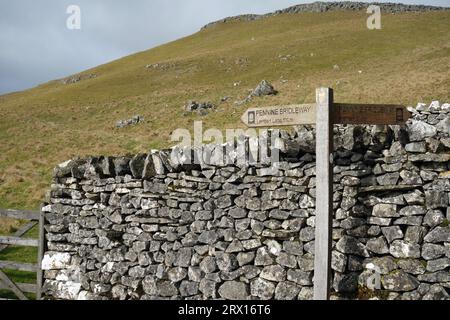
pixel 36 46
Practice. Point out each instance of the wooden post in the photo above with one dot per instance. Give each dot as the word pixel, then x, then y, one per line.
pixel 41 250
pixel 324 194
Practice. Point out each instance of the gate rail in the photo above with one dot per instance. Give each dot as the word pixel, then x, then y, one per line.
pixel 19 289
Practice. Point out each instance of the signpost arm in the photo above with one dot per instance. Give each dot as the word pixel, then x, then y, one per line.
pixel 324 194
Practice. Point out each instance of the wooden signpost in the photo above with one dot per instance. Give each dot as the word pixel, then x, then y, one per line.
pixel 280 116
pixel 324 113
pixel 369 114
pixel 324 194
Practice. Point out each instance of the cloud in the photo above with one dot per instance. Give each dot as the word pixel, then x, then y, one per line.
pixel 37 46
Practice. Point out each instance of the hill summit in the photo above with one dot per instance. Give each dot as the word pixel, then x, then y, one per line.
pixel 320 6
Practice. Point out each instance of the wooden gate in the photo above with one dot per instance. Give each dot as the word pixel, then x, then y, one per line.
pixel 19 289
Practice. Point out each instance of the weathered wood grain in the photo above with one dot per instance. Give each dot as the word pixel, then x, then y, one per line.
pixel 21 266
pixel 324 194
pixel 18 241
pixel 20 214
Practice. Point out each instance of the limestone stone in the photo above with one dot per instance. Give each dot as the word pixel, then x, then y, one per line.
pixel 208 237
pixel 234 290
pixel 303 278
pixel 383 210
pixel 403 249
pixel 263 258
pixel 286 260
pixel 345 283
pixel 412 211
pixel 436 199
pixel 436 292
pixel 350 245
pixel 388 179
pixel 56 260
pixel 307 234
pixel 399 281
pixel 384 265
pixel 188 288
pixel 226 262
pixel 416 147
pixel 412 266
pixel 273 273
pixel 306 293
pixel 433 218
pixel 419 130
pixel 286 291
pixel 244 258
pixel 208 265
pixel 435 277
pixel 377 245
pixel 177 274
pixel 432 251
pixel 392 233
pixel 262 289
pixel 338 261
pixel 208 288
pixel 438 234
pixel 166 288
pixel 438 264
pixel 415 234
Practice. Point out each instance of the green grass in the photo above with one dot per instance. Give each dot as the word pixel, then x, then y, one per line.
pixel 6 294
pixel 405 62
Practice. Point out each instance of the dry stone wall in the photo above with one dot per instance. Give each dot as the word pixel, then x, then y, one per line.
pixel 148 227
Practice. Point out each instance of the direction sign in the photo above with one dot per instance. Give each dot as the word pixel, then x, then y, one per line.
pixel 324 113
pixel 342 113
pixel 369 114
pixel 289 115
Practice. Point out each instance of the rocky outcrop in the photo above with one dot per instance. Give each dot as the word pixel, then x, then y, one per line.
pixel 201 108
pixel 78 78
pixel 263 89
pixel 333 6
pixel 129 122
pixel 153 226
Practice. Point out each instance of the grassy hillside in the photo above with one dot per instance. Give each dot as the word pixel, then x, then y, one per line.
pixel 405 62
